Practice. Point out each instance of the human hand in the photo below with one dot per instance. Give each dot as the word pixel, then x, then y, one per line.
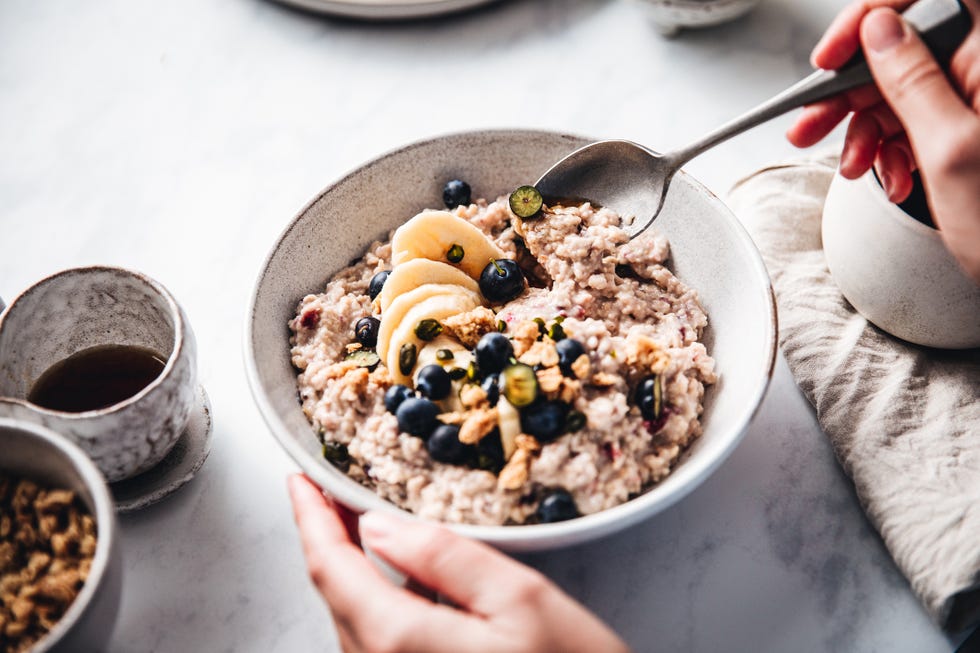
pixel 914 118
pixel 502 605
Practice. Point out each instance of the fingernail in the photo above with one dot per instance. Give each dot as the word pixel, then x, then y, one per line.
pixel 883 29
pixel 376 524
pixel 886 183
pixel 813 53
pixel 845 158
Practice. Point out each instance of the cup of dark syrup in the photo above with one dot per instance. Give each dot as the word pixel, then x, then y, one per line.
pixel 104 356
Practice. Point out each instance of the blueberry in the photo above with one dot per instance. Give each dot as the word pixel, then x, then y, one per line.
pixel 490 452
pixel 557 506
pixel 491 385
pixel 417 417
pixel 395 395
pixel 576 420
pixel 649 397
pixel 366 331
pixel 377 283
pixel 502 280
pixel 545 420
pixel 444 446
pixel 433 382
pixel 568 352
pixel 493 353
pixel 456 192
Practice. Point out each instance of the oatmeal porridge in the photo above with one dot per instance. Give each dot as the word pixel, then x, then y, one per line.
pixel 483 367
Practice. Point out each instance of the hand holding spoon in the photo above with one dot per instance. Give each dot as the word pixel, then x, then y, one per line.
pixel 633 180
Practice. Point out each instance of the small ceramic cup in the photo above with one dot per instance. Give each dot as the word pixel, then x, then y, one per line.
pixel 670 16
pixel 895 270
pixel 89 307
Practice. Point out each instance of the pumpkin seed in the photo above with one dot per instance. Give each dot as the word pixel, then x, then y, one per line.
pixel 407 356
pixel 428 329
pixel 336 453
pixel 455 253
pixel 444 355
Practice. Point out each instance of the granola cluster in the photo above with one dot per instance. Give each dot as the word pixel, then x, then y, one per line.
pixel 47 542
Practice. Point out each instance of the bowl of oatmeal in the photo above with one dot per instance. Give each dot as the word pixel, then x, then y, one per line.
pixel 524 373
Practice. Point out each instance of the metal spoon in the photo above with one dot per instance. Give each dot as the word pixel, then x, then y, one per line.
pixel 632 179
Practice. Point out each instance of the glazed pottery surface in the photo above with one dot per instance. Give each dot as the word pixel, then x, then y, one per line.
pixel 710 251
pixel 385 9
pixel 88 307
pixel 672 15
pixel 895 270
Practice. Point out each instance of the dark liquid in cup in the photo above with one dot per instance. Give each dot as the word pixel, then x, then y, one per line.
pixel 96 378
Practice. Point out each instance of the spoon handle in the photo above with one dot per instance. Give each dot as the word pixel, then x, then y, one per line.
pixel 942 24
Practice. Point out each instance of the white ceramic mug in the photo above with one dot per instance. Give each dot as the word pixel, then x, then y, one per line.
pixel 895 270
pixel 89 307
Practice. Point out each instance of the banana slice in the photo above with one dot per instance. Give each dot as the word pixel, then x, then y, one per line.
pixel 427 354
pixel 461 358
pixel 391 318
pixel 509 423
pixel 431 234
pixel 420 271
pixel 436 307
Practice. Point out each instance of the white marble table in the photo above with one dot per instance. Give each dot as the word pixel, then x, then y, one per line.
pixel 178 137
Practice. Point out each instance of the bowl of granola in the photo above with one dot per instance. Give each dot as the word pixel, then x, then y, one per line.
pixel 60 569
pixel 429 336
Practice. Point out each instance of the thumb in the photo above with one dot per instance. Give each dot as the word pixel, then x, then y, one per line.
pixel 910 80
pixel 472 575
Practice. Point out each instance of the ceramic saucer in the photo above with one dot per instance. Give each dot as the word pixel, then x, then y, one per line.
pixel 385 9
pixel 176 469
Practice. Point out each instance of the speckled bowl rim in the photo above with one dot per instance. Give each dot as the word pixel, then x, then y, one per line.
pixel 386 11
pixel 531 537
pixel 699 13
pixel 703 5
pixel 894 212
pixel 175 354
pixel 105 521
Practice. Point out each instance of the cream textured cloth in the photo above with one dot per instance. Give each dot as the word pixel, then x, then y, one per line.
pixel 904 420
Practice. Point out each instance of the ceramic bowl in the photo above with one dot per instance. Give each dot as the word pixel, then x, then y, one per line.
pixel 710 251
pixel 895 270
pixel 34 452
pixel 670 16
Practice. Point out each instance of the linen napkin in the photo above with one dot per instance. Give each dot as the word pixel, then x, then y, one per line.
pixel 904 420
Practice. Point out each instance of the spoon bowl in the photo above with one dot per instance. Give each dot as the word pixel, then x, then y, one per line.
pixel 633 180
pixel 615 173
